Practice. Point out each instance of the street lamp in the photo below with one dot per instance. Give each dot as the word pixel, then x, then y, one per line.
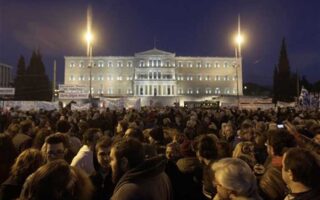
pixel 239 39
pixel 89 39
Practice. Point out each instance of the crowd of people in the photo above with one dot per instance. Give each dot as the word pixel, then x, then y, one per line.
pixel 166 153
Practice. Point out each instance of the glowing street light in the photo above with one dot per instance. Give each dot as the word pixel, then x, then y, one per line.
pixel 89 39
pixel 239 40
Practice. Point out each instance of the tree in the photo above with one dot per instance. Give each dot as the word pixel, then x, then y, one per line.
pixel 32 83
pixel 284 83
pixel 19 81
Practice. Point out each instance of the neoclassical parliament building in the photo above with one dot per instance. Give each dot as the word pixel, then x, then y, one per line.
pixel 156 73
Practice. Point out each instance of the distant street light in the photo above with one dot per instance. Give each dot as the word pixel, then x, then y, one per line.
pixel 239 39
pixel 89 39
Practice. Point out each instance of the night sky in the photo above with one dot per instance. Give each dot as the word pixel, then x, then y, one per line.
pixel 186 27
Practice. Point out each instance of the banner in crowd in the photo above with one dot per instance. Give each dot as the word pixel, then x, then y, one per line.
pixel 30 105
pixel 308 100
pixel 73 92
pixel 120 103
pixel 6 91
pixel 282 104
pixel 81 107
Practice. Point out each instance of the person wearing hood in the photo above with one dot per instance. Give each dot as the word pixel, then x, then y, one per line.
pixel 136 177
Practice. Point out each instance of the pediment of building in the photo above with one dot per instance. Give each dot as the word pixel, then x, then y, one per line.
pixel 154 52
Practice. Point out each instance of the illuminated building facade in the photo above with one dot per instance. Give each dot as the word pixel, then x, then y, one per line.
pixel 156 73
pixel 5 75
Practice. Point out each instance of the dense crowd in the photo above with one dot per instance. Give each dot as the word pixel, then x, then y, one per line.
pixel 160 154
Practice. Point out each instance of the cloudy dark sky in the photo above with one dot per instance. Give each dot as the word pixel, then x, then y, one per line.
pixel 186 27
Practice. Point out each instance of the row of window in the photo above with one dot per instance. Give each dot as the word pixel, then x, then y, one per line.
pixel 153 63
pixel 207 78
pixel 156 76
pixel 207 91
pixel 100 78
pixel 111 91
pixel 101 64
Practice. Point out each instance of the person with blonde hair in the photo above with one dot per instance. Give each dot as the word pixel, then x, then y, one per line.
pixel 234 179
pixel 26 163
pixel 245 152
pixel 57 180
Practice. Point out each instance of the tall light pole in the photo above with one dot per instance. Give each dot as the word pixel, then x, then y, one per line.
pixel 238 40
pixel 89 39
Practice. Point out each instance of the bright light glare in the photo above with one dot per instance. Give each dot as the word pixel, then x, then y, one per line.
pixel 89 37
pixel 239 39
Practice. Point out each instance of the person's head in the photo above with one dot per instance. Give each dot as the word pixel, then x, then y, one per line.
pixel 40 137
pixel 103 150
pixel 63 126
pixel 206 148
pixel 13 129
pixel 134 133
pixel 122 127
pixel 57 180
pixel 246 131
pixel 156 136
pixel 125 154
pixel 279 141
pixel 173 151
pixel 301 166
pixel 55 147
pixel 233 178
pixel 91 136
pixel 316 137
pixel 27 162
pixel 227 131
pixel 245 152
pixel 26 127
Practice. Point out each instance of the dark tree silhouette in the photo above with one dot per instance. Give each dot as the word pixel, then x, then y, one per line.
pixel 33 83
pixel 284 83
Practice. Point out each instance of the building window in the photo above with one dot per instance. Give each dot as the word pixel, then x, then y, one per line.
pixel 159 75
pixel 198 65
pixel 129 64
pixel 168 90
pixel 208 91
pixel 200 78
pixel 189 91
pixel 217 91
pixel 197 91
pixel 141 91
pixel 141 64
pixel 110 91
pixel 225 65
pixel 119 78
pixel 109 64
pixel 208 65
pixel 72 64
pixel 81 64
pixel 180 91
pixel 216 65
pixel 100 64
pixel 190 64
pixel 154 75
pixel 180 64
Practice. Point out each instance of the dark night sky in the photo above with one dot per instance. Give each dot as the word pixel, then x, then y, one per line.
pixel 186 27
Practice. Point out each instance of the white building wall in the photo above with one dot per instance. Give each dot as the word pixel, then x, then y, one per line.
pixel 5 75
pixel 156 73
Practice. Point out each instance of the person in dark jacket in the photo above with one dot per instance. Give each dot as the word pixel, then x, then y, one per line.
pixel 102 178
pixel 301 173
pixel 135 177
